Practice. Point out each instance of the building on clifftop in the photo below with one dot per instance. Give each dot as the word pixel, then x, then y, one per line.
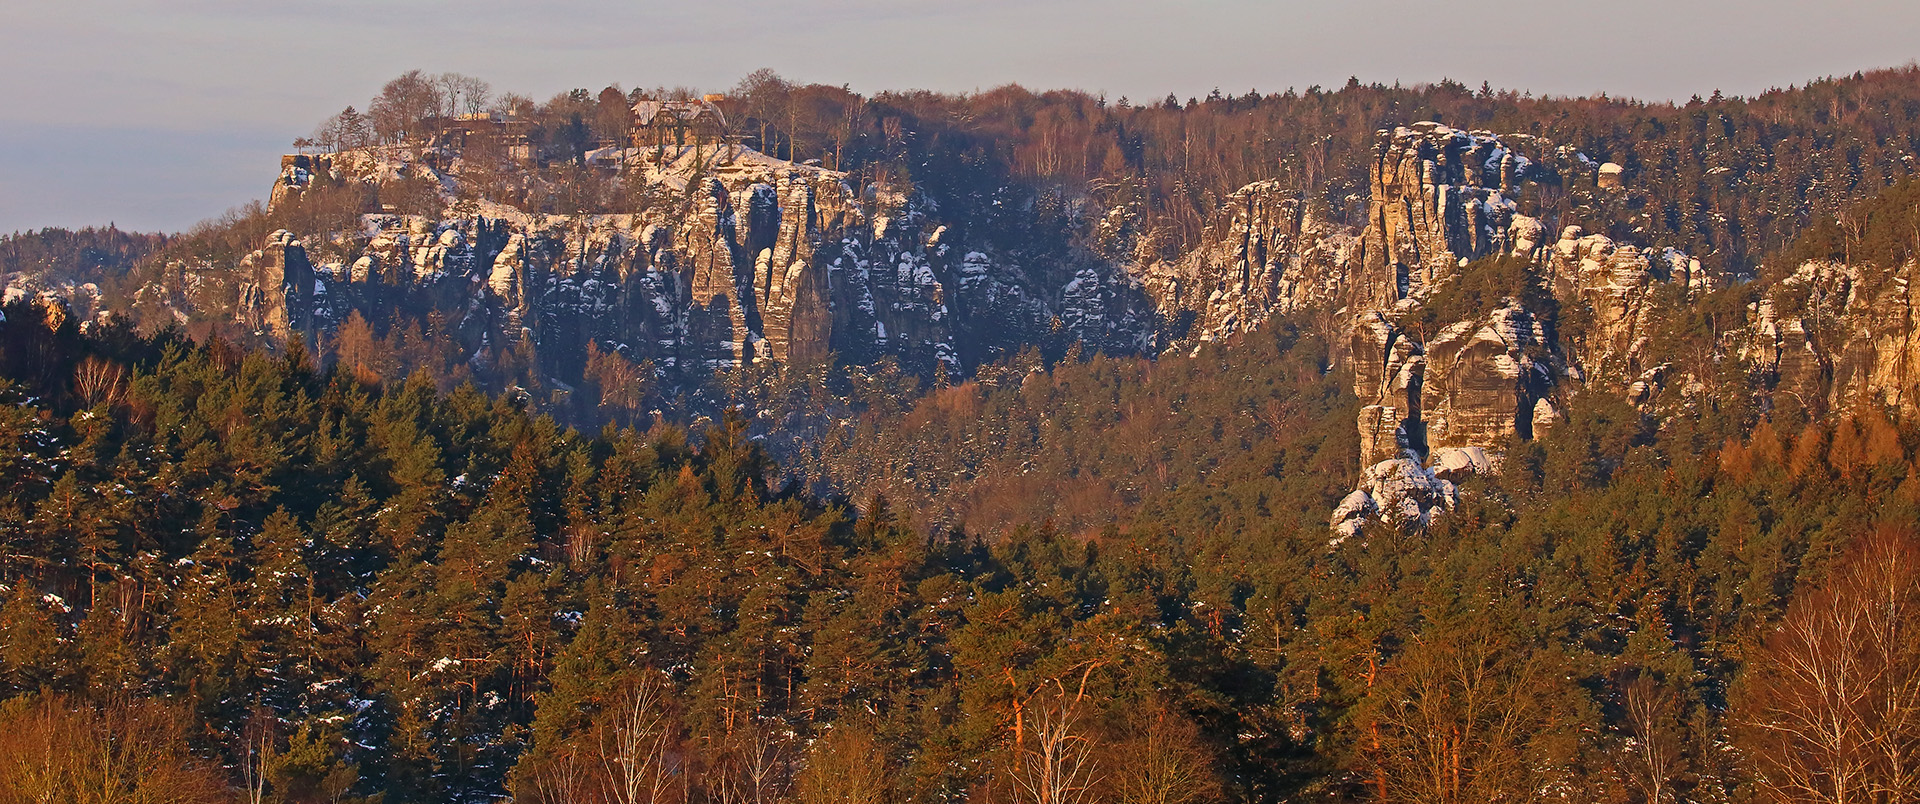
pixel 678 123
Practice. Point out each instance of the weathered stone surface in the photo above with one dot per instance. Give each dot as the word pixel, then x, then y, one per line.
pixel 1611 177
pixel 754 258
pixel 1399 493
pixel 792 293
pixel 740 257
pixel 1438 197
pixel 1263 253
pixel 1441 198
pixel 276 289
pixel 1456 464
pixel 1389 370
pixel 1482 379
pixel 1832 336
pixel 722 301
pixel 1614 285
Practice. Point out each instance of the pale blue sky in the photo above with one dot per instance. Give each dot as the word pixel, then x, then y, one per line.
pixel 157 113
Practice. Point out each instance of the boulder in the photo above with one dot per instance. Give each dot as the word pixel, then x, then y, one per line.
pixel 1611 177
pixel 1456 464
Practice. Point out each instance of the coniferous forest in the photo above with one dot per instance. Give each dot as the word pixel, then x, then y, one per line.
pixel 233 570
pixel 248 570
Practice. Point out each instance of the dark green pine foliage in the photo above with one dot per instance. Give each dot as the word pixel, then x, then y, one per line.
pixel 436 596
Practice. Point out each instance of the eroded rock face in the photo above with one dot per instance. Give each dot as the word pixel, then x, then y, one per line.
pixel 1399 493
pixel 1835 336
pixel 1439 197
pixel 758 260
pixel 1613 285
pixel 1264 253
pixel 1389 371
pixel 1476 383
pixel 1484 378
pixel 798 320
pixel 276 288
pixel 1454 393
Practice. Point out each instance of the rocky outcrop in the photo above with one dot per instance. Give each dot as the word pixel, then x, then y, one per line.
pixel 1389 371
pixel 1439 196
pixel 1440 199
pixel 740 258
pixel 1477 383
pixel 797 321
pixel 737 258
pixel 276 289
pixel 1399 493
pixel 1452 394
pixel 1832 336
pixel 1611 287
pixel 720 306
pixel 1484 379
pixel 1264 253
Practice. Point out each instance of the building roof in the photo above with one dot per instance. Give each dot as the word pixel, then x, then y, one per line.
pixel 646 112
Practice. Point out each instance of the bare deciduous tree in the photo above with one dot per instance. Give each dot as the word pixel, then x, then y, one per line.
pixel 1161 760
pixel 846 766
pixel 461 94
pixel 401 106
pixel 561 779
pixel 1828 709
pixel 760 754
pixel 637 746
pixel 1465 714
pixel 99 381
pixel 255 753
pixel 1655 756
pixel 1054 756
pixel 54 748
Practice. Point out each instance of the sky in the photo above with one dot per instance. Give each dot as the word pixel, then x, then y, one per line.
pixel 155 114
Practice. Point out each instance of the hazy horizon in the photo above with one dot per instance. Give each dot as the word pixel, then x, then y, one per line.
pixel 154 118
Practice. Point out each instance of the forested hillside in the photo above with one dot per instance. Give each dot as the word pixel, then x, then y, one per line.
pixel 353 590
pixel 88 267
pixel 1007 447
pixel 1014 219
pixel 1088 443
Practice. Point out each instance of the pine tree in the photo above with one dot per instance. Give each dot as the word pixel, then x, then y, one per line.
pixel 30 650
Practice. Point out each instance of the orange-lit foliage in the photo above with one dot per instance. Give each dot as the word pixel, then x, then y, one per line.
pixel 60 750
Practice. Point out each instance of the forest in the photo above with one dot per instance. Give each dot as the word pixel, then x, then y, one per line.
pixel 1731 181
pixel 244 572
pixel 292 584
pixel 1728 178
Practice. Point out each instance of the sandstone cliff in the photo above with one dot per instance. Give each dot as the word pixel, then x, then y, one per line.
pixel 1831 336
pixel 736 258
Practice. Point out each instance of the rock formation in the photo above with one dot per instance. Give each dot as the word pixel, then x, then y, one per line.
pixel 277 288
pixel 1434 390
pixel 1831 336
pixel 743 258
pixel 1264 253
pixel 762 259
pixel 740 258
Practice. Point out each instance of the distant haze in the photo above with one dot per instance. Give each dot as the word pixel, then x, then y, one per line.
pixel 154 114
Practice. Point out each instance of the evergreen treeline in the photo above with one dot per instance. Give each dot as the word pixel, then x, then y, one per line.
pixel 83 255
pixel 1088 441
pixel 57 260
pixel 238 576
pixel 1728 179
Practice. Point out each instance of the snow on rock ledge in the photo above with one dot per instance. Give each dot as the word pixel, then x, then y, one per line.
pixel 1398 492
